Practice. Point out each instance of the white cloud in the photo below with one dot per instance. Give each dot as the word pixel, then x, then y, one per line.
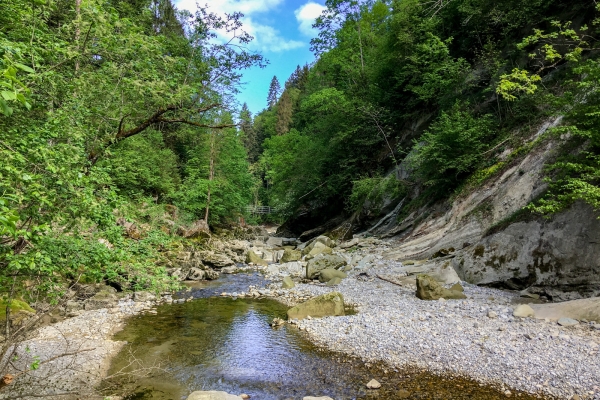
pixel 266 38
pixel 306 16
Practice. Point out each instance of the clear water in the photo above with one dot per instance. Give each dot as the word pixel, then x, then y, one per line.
pixel 215 343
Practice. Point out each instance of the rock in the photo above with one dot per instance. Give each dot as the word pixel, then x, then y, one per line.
pixel 567 322
pixel 525 293
pixel 277 322
pixel 229 270
pixel 211 274
pixel 329 304
pixel 196 274
pixel 329 273
pixel 350 243
pixel 143 296
pixel 290 255
pixel 216 260
pixel 319 248
pixel 101 300
pixel 430 289
pixel 403 394
pixel 373 384
pixel 73 306
pixel 245 396
pixel 212 395
pixel 178 273
pixel 288 283
pixel 322 262
pixel 457 287
pixel 293 268
pixel 252 258
pixel 317 242
pixel 334 281
pixel 588 309
pixel 316 398
pixel 523 311
pixel 277 255
pixel 199 229
pixel 492 314
pixel 275 241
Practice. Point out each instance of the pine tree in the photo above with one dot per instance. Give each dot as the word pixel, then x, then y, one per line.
pixel 249 138
pixel 284 113
pixel 274 91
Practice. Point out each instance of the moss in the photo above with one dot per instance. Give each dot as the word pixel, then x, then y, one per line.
pixel 15 307
pixel 479 251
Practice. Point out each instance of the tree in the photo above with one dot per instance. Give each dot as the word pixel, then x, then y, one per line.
pixel 274 91
pixel 249 133
pixel 284 112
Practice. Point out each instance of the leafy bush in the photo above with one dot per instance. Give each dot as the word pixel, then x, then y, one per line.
pixel 368 194
pixel 452 148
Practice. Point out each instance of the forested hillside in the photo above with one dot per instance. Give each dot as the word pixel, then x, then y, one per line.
pixel 116 128
pixel 435 91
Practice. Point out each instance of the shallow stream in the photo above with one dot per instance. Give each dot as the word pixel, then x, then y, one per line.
pixel 215 343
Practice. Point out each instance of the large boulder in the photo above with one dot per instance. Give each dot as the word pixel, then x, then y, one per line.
pixel 429 289
pixel 104 299
pixel 196 274
pixel 321 240
pixel 253 258
pixel 319 248
pixel 328 274
pixel 323 261
pixel 275 241
pixel 294 268
pixel 588 309
pixel 199 229
pixel 212 395
pixel 329 304
pixel 290 255
pixel 216 260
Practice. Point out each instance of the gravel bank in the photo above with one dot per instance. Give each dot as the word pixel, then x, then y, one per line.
pixel 75 354
pixel 477 337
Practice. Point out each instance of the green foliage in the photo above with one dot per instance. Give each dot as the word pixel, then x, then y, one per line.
pixel 369 193
pixel 452 148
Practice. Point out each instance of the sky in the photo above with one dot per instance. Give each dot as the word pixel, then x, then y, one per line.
pixel 282 30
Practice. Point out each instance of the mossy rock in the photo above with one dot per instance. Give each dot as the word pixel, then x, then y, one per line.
pixel 326 305
pixel 324 261
pixel 328 274
pixel 429 289
pixel 253 258
pixel 290 255
pixel 287 283
pixel 16 307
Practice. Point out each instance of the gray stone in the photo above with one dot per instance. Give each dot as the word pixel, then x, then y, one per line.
pixel 212 395
pixel 568 322
pixel 196 274
pixel 229 270
pixel 143 296
pixel 275 241
pixel 316 398
pixel 581 309
pixel 492 314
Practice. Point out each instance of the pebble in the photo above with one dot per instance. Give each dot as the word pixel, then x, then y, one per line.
pixel 492 314
pixel 373 384
pixel 568 322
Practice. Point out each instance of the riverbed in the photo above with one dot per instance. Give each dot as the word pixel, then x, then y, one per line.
pixel 220 343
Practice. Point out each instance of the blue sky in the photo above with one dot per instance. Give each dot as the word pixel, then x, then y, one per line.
pixel 282 32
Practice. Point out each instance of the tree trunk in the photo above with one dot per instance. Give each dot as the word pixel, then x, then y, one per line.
pixel 211 172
